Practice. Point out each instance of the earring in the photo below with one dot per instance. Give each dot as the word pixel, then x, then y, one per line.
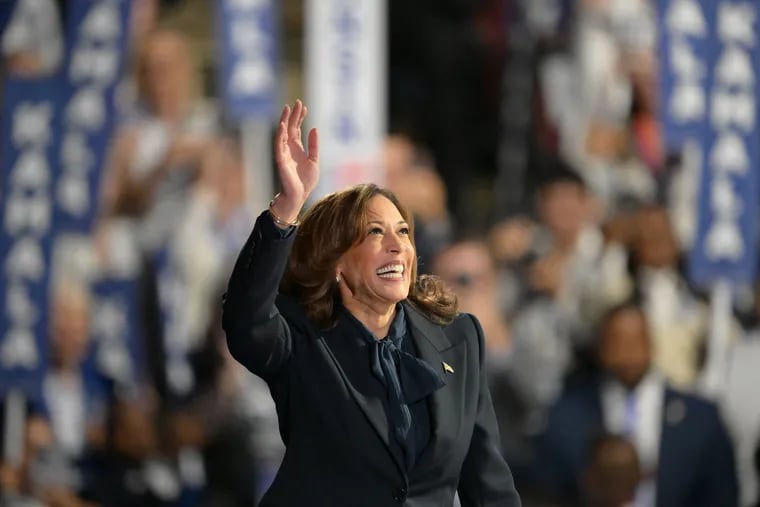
pixel 337 278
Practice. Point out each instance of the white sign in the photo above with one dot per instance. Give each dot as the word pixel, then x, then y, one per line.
pixel 346 88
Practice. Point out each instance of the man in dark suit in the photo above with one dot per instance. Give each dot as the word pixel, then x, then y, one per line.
pixel 684 450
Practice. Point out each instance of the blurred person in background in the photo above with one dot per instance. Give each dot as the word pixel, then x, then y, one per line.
pixel 244 449
pixel 613 473
pixel 685 452
pixel 158 151
pixel 130 471
pixel 440 80
pixel 467 267
pixel 32 40
pixel 411 176
pixel 38 477
pixel 737 396
pixel 208 233
pixel 676 316
pixel 564 274
pixel 357 433
pixel 75 399
pixel 564 254
pixel 17 487
pixel 592 91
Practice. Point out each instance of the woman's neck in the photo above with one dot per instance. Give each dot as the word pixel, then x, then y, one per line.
pixel 376 319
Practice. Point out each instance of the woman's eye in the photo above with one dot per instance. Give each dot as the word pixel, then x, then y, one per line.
pixel 376 230
pixel 404 230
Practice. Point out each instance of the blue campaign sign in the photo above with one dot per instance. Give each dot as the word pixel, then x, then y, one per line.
pixel 686 50
pixel 97 34
pixel 726 241
pixel 116 330
pixel 248 54
pixel 180 376
pixel 27 178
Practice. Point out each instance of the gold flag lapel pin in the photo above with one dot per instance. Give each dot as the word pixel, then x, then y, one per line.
pixel 447 367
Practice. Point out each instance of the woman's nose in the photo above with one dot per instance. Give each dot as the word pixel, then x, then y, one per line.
pixel 395 244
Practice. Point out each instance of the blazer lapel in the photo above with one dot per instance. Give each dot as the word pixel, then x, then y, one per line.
pixel 445 418
pixel 344 348
pixel 673 442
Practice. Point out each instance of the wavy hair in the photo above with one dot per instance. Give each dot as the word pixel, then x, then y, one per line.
pixel 329 229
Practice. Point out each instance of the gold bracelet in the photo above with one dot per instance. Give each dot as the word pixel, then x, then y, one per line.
pixel 277 220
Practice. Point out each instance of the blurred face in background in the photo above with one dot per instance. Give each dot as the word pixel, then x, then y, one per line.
pixel 398 154
pixel 143 18
pixel 613 475
pixel 134 429
pixel 70 326
pixel 654 242
pixel 165 73
pixel 624 348
pixel 564 207
pixel 222 176
pixel 468 269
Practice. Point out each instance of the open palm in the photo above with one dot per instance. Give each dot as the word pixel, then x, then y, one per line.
pixel 298 169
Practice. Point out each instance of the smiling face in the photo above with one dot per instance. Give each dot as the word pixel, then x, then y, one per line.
pixel 376 272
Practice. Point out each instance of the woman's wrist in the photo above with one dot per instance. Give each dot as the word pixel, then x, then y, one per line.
pixel 284 213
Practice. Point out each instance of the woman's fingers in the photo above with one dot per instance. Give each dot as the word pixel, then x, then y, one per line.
pixel 304 112
pixel 285 114
pixel 313 145
pixel 294 122
pixel 281 141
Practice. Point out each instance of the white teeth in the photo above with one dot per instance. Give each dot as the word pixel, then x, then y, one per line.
pixel 391 268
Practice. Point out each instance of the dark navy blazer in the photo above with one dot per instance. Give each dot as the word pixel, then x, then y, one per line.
pixel 340 451
pixel 696 460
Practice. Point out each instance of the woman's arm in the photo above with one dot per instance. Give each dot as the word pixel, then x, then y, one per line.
pixel 257 335
pixel 485 480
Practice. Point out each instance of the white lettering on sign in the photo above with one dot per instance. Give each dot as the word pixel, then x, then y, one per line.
pixel 73 194
pixel 28 213
pixel 100 64
pixel 733 110
pixel 729 154
pixel 25 260
pixel 31 124
pixel 18 349
pixel 736 21
pixel 685 62
pixel 87 109
pixel 686 17
pixel 31 171
pixel 687 102
pixel 19 306
pixel 734 67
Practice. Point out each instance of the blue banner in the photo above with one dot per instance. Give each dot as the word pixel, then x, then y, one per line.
pixel 180 376
pixel 97 35
pixel 248 52
pixel 686 52
pixel 116 332
pixel 725 246
pixel 27 178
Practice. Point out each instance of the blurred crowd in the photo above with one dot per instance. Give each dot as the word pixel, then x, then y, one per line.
pixel 599 352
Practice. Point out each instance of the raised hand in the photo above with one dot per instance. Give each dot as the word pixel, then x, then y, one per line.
pixel 298 169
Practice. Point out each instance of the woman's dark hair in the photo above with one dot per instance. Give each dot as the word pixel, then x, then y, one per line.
pixel 329 229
